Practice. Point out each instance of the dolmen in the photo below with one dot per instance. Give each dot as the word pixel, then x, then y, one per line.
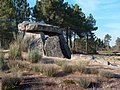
pixel 47 39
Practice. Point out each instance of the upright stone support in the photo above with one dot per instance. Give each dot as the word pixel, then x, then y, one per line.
pixel 35 42
pixel 52 47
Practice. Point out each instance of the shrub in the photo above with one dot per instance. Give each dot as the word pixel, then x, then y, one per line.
pixel 60 62
pixel 67 68
pixel 46 70
pixel 49 70
pixel 36 69
pixel 106 74
pixel 33 56
pixel 118 59
pixel 83 82
pixel 10 83
pixel 15 46
pixel 14 50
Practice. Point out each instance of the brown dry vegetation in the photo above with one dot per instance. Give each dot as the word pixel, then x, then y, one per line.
pixel 39 76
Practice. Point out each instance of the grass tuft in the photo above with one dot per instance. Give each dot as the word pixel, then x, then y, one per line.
pixel 67 68
pixel 14 50
pixel 83 82
pixel 10 82
pixel 33 56
pixel 90 71
pixel 60 62
pixel 106 74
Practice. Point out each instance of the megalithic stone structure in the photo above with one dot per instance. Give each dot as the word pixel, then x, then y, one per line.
pixel 53 45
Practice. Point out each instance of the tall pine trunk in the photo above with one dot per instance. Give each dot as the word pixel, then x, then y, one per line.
pixel 74 41
pixel 67 36
pixel 70 39
pixel 86 43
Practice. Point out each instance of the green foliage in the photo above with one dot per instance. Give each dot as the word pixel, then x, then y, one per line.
pixel 49 71
pixel 37 69
pixel 118 59
pixel 15 46
pixel 118 41
pixel 10 83
pixel 58 12
pixel 6 13
pixel 106 74
pixel 107 40
pixel 99 44
pixel 46 70
pixel 117 46
pixel 83 82
pixel 14 50
pixel 12 12
pixel 34 56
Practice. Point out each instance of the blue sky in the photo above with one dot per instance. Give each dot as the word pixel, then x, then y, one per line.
pixel 106 13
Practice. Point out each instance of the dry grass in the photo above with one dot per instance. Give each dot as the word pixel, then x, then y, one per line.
pixel 73 69
pixel 10 82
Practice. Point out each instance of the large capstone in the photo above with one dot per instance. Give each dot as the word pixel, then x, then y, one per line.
pixel 34 41
pixel 38 27
pixel 52 47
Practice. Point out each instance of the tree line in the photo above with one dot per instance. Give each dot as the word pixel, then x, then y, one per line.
pixel 77 27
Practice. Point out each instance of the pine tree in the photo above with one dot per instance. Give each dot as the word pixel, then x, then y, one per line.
pixel 12 12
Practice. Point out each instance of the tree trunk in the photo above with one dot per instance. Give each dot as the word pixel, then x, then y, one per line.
pixel 74 41
pixel 0 41
pixel 67 36
pixel 86 43
pixel 70 39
